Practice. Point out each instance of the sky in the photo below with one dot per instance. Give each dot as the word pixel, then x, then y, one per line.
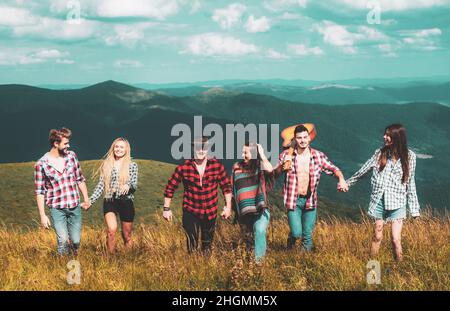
pixel 166 41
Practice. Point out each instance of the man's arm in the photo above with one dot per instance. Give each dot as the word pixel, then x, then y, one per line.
pixel 83 188
pixel 329 168
pixel 45 221
pixel 169 191
pixel 41 190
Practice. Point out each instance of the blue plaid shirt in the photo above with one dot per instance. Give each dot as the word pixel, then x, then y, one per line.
pixel 389 183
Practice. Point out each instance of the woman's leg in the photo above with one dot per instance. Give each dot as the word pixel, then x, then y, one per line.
pixel 126 213
pixel 111 223
pixel 260 231
pixel 396 239
pixel 127 227
pixel 377 236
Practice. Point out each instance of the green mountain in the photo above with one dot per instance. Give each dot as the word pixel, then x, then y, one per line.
pixel 348 134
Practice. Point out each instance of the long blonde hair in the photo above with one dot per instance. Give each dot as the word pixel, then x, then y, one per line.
pixel 105 169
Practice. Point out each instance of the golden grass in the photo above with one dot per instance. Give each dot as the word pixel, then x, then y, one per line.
pixel 159 261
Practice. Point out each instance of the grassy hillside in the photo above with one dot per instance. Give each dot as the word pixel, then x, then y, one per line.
pixel 158 260
pixel 18 207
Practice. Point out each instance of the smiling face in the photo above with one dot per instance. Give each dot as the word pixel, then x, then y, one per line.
pixel 200 151
pixel 120 149
pixel 387 139
pixel 302 139
pixel 248 153
pixel 62 146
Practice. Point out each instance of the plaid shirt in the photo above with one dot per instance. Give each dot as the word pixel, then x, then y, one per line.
pixel 60 189
pixel 114 185
pixel 389 183
pixel 318 163
pixel 201 200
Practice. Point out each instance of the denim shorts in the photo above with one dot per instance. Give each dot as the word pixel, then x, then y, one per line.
pixel 387 215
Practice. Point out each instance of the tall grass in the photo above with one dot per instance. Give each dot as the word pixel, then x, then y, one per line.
pixel 159 261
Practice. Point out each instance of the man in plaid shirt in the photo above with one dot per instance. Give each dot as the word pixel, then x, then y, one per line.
pixel 200 177
pixel 58 177
pixel 301 184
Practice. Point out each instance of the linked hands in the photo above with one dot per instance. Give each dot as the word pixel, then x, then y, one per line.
pixel 226 212
pixel 342 186
pixel 86 204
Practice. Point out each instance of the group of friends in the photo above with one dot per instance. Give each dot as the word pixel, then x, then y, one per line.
pixel 59 181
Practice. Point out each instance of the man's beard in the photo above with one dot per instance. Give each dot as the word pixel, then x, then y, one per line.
pixel 62 152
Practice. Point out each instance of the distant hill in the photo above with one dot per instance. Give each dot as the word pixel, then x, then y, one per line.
pixel 18 205
pixel 331 93
pixel 97 114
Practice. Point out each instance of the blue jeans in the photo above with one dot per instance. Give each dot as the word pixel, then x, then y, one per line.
pixel 67 223
pixel 301 224
pixel 255 228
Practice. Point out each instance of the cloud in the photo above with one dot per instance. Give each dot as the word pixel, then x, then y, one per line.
pixel 214 44
pixel 393 5
pixel 159 9
pixel 51 28
pixel 337 35
pixel 290 16
pixel 196 6
pixel 127 63
pixel 303 50
pixel 12 17
pixel 53 53
pixel 229 16
pixel 387 49
pixel 128 35
pixel 341 37
pixel 281 5
pixel 257 25
pixel 28 57
pixel 424 39
pixel 275 55
pixel 65 61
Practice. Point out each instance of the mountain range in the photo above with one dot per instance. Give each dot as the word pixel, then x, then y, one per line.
pixel 348 134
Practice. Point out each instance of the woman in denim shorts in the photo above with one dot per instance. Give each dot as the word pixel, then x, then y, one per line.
pixel 393 186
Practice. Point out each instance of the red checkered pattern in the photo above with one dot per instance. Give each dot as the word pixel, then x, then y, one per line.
pixel 59 188
pixel 318 163
pixel 199 199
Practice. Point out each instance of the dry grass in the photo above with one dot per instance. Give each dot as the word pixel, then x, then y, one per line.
pixel 159 260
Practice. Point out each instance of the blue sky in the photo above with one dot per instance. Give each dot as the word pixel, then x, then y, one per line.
pixel 162 41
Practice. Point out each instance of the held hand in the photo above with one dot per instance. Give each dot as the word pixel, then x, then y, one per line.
pixel 167 215
pixel 85 205
pixel 342 186
pixel 226 213
pixel 124 189
pixel 287 162
pixel 45 222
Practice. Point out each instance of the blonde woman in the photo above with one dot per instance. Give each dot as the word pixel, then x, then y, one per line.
pixel 118 180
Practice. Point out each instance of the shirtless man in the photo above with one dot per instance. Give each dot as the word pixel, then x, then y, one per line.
pixel 300 186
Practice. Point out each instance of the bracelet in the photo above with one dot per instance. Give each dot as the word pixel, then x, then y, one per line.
pixel 166 209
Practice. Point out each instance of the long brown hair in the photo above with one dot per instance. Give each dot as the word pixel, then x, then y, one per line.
pixel 255 164
pixel 397 149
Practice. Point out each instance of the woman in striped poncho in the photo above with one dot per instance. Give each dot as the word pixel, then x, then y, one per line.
pixel 250 178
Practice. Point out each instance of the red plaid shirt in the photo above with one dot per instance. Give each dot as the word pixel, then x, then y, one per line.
pixel 201 200
pixel 59 188
pixel 318 163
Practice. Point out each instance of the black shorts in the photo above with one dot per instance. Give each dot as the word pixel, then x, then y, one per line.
pixel 123 207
